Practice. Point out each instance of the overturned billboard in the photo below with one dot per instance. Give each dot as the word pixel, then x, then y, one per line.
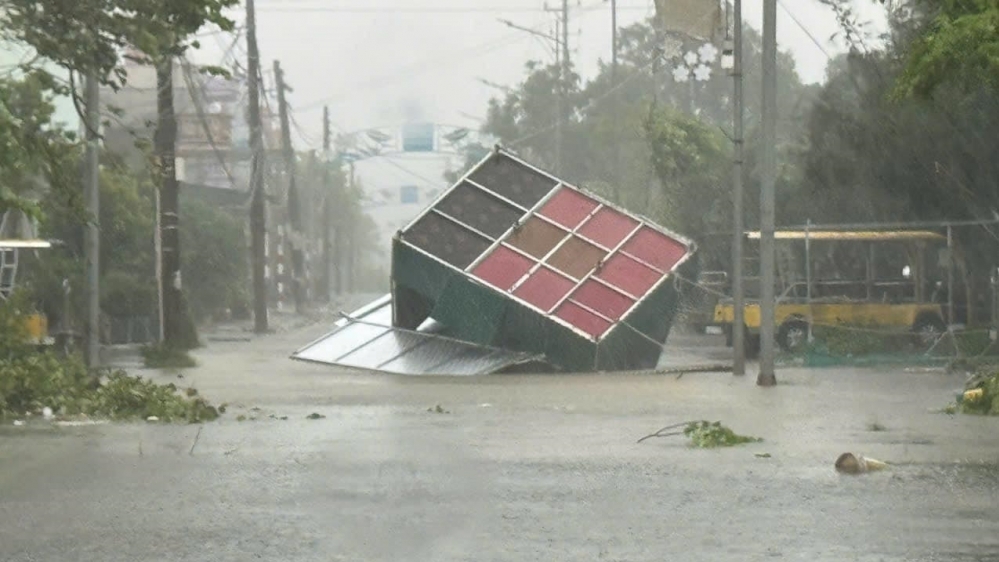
pixel 513 258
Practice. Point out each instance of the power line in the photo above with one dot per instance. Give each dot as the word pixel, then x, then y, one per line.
pixel 434 62
pixel 888 121
pixel 591 102
pixel 192 88
pixel 427 10
pixel 414 70
pixel 417 175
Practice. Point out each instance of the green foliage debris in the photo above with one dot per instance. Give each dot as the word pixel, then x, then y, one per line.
pixel 33 380
pixel 166 357
pixel 704 434
pixel 709 435
pixel 980 396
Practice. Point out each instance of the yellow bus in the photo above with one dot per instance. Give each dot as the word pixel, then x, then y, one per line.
pixel 909 300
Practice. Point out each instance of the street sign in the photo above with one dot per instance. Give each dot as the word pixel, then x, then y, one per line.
pixel 418 137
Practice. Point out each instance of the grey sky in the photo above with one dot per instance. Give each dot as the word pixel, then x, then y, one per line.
pixel 374 67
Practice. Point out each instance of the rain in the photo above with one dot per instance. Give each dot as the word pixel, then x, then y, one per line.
pixel 498 280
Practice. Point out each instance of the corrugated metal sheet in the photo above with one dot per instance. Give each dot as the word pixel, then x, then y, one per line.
pixel 366 340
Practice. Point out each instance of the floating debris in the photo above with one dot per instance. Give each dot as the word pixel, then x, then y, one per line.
pixel 848 463
pixel 704 434
pixel 438 409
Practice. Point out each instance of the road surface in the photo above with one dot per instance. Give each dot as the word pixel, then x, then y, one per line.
pixel 518 468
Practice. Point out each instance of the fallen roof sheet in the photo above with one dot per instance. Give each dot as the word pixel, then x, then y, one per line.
pixel 365 339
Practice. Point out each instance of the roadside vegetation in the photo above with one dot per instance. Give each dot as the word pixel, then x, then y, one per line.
pixel 41 383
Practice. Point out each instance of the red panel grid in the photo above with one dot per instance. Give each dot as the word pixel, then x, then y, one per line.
pixel 568 207
pixel 544 288
pixel 627 274
pixel 599 297
pixel 582 319
pixel 502 268
pixel 608 227
pixel 655 248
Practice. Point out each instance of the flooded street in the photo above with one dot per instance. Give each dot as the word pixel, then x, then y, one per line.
pixel 514 468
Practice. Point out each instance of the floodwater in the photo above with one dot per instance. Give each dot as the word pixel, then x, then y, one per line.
pixel 517 468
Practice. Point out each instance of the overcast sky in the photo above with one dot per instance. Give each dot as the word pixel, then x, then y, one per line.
pixel 377 62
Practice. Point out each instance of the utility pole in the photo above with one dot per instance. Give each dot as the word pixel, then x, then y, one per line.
pixel 563 87
pixel 92 235
pixel 614 41
pixel 294 210
pixel 169 191
pixel 327 205
pixel 351 240
pixel 258 223
pixel 738 291
pixel 767 377
pixel 559 99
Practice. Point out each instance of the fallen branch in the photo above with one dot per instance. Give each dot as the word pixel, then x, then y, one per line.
pixel 667 428
pixel 704 434
pixel 195 444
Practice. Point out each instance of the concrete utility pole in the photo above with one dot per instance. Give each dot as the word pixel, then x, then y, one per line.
pixel 258 223
pixel 349 236
pixel 327 206
pixel 92 235
pixel 614 41
pixel 294 208
pixel 169 190
pixel 563 86
pixel 738 291
pixel 767 376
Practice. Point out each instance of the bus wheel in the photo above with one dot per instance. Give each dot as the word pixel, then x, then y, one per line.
pixel 793 335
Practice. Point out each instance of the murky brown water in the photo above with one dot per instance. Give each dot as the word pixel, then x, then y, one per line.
pixel 522 468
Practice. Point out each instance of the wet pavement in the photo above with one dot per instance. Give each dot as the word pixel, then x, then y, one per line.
pixel 517 468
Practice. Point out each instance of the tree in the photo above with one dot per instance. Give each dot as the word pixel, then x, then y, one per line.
pixel 88 36
pixel 959 46
pixel 691 161
pixel 32 151
pixel 896 138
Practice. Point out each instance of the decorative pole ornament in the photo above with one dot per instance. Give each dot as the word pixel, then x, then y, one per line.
pixel 693 65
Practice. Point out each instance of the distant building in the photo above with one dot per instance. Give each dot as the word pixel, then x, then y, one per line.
pixel 213 147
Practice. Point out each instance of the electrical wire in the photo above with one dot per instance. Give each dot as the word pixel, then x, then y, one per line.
pixel 888 122
pixel 410 10
pixel 560 121
pixel 192 88
pixel 430 183
pixel 433 63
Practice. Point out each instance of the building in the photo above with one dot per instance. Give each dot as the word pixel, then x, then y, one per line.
pixel 213 144
pixel 213 140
